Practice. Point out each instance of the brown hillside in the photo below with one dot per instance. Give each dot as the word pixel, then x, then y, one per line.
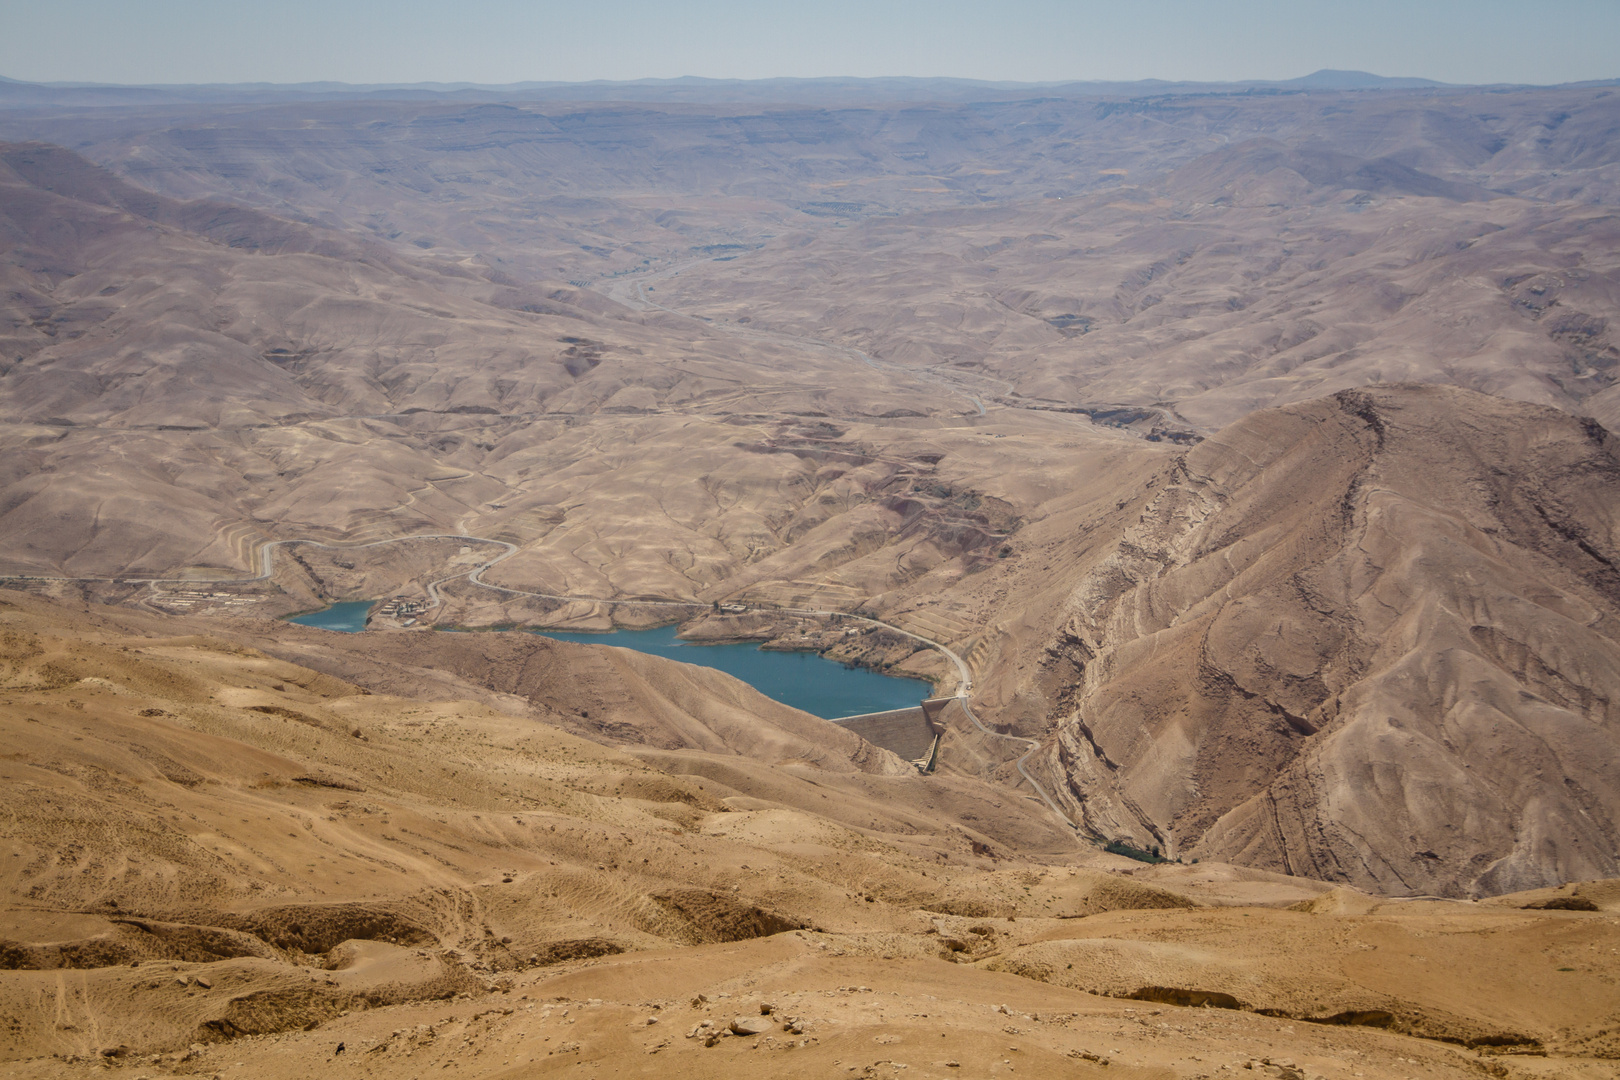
pixel 1368 639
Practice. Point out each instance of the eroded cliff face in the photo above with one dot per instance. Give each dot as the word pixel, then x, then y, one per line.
pixel 1371 638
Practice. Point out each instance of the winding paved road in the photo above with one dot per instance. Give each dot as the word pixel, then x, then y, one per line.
pixel 1033 745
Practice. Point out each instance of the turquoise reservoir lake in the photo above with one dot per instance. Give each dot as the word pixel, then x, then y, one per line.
pixel 349 617
pixel 819 686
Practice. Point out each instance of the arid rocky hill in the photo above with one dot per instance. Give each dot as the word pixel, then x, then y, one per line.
pixel 1370 639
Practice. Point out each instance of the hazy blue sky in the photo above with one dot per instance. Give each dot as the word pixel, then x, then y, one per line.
pixel 496 41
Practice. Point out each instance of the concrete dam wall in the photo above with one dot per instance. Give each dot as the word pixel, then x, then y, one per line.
pixel 911 733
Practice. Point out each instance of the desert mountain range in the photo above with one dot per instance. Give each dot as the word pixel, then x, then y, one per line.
pixel 1244 457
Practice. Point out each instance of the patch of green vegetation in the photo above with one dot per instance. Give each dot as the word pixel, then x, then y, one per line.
pixel 1120 847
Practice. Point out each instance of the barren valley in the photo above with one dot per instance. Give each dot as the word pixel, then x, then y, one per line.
pixel 1244 462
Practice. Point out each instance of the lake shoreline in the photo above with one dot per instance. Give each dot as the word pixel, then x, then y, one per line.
pixel 780 669
pixel 780 658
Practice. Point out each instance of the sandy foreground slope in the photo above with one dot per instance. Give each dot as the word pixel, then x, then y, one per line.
pixel 215 862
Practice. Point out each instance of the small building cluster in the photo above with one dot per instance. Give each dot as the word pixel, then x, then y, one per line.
pixel 398 607
pixel 186 599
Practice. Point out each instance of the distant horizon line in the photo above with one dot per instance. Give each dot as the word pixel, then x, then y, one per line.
pixel 702 90
pixel 1321 75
